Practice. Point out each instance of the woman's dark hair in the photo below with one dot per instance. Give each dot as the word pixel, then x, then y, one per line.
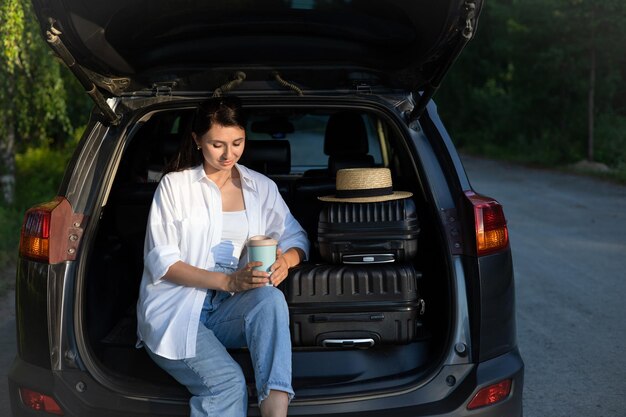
pixel 224 111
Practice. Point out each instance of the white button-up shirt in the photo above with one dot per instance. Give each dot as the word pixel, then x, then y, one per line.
pixel 185 224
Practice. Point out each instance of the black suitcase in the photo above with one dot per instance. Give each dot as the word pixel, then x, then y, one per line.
pixel 353 305
pixel 378 232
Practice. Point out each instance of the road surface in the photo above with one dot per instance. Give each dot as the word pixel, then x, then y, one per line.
pixel 7 348
pixel 568 236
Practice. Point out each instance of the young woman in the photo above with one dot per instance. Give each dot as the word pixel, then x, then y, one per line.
pixel 198 296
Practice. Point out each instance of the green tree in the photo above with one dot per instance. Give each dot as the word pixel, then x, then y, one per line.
pixel 606 21
pixel 33 109
pixel 537 79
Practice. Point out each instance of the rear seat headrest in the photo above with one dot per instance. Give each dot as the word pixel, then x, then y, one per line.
pixel 169 145
pixel 345 135
pixel 162 149
pixel 349 161
pixel 270 157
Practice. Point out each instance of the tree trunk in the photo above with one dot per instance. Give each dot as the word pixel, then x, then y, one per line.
pixel 592 90
pixel 7 153
pixel 7 168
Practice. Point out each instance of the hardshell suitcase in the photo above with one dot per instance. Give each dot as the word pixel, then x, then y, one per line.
pixel 353 305
pixel 379 232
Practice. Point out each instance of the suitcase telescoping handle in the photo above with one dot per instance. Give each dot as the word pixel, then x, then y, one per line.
pixel 370 258
pixel 342 318
pixel 358 343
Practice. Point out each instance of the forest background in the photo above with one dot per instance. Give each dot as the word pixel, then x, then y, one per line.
pixel 543 82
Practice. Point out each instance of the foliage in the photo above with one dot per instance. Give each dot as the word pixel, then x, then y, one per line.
pixel 611 143
pixel 39 173
pixel 520 89
pixel 10 223
pixel 41 107
pixel 33 96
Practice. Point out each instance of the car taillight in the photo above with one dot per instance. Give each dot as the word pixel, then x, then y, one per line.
pixel 50 232
pixel 40 402
pixel 35 239
pixel 491 395
pixel 492 234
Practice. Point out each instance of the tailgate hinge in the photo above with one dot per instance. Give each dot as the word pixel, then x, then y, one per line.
pixel 74 235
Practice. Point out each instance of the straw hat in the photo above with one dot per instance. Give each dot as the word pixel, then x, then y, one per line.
pixel 364 185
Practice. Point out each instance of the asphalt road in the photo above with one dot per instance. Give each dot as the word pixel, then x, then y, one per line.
pixel 7 348
pixel 568 235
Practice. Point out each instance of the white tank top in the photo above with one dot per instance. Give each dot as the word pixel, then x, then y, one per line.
pixel 234 235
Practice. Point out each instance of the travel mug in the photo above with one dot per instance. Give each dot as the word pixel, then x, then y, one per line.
pixel 262 249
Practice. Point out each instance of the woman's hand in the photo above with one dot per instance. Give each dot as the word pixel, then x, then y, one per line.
pixel 284 261
pixel 247 278
pixel 279 269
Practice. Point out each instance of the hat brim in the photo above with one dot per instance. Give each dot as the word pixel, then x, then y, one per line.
pixel 397 195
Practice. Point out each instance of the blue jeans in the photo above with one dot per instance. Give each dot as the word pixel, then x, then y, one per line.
pixel 257 319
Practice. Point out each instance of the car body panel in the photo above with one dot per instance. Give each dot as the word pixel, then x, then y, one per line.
pixel 128 45
pixel 497 319
pixel 31 305
pixel 78 394
pixel 490 279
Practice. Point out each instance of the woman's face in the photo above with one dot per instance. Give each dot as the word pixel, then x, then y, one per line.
pixel 221 147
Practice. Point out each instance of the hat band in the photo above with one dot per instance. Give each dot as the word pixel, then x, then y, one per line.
pixel 364 192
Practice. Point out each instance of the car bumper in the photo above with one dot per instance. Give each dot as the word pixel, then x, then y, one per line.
pixel 79 395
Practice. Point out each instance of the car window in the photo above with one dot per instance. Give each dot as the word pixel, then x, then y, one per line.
pixel 305 133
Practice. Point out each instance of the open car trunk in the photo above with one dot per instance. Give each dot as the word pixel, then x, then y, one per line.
pixel 115 263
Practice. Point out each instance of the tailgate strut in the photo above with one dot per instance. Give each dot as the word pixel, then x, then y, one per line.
pixel 52 36
pixel 467 33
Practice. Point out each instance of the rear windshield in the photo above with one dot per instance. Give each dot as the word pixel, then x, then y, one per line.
pixel 310 144
pixel 308 137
